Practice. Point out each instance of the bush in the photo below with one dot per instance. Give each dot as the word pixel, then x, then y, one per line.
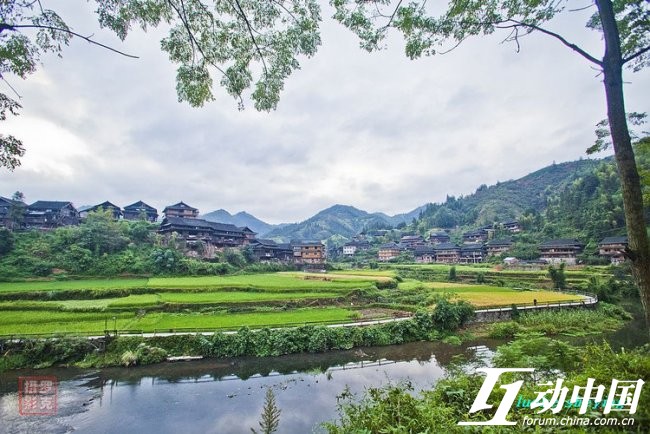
pixel 450 316
pixel 502 330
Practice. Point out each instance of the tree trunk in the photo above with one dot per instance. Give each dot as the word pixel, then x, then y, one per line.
pixel 639 247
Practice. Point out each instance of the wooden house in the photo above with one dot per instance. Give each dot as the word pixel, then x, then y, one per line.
pixel 308 252
pixel 264 250
pixel 472 253
pixel 6 207
pixel 613 248
pixel 217 235
pixel 424 254
pixel 498 246
pixel 47 214
pixel 249 235
pixel 439 237
pixel 447 253
pixel 115 210
pixel 477 236
pixel 511 225
pixel 140 211
pixel 561 250
pixel 388 251
pixel 411 241
pixel 181 209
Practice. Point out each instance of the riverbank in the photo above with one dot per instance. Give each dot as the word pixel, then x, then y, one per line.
pixel 447 323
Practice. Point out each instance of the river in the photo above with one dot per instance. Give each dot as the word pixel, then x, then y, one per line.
pixel 227 395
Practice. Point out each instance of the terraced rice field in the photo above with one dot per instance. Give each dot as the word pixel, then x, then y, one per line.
pixel 216 302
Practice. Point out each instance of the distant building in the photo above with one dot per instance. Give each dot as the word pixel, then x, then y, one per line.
pixel 411 241
pixel 614 248
pixel 447 253
pixel 424 254
pixel 352 247
pixel 561 250
pixel 44 214
pixel 181 209
pixel 477 236
pixel 439 237
pixel 498 246
pixel 140 210
pixel 264 250
pixel 115 210
pixel 210 236
pixel 6 206
pixel 388 251
pixel 249 235
pixel 512 225
pixel 308 252
pixel 472 253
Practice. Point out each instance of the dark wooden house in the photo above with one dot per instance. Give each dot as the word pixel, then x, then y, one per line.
pixel 424 254
pixel 561 250
pixel 439 237
pixel 115 210
pixel 217 235
pixel 472 253
pixel 140 211
pixel 613 248
pixel 6 207
pixel 498 246
pixel 477 236
pixel 46 214
pixel 181 209
pixel 448 253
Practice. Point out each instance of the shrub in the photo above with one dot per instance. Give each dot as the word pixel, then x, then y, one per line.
pixel 450 316
pixel 129 358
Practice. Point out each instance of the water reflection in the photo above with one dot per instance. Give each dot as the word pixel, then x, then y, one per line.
pixel 227 395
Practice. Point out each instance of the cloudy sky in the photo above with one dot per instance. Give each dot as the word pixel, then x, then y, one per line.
pixel 376 131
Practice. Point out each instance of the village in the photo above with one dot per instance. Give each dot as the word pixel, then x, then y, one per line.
pixel 202 238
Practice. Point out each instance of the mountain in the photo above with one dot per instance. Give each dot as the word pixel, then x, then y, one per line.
pixel 240 219
pixel 342 220
pixel 506 200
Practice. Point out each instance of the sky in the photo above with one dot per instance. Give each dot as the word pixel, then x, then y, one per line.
pixel 373 130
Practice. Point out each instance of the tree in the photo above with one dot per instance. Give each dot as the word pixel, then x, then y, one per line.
pixel 17 210
pixel 624 24
pixel 248 44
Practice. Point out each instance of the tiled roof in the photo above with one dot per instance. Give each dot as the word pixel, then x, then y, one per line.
pixel 446 246
pixel 614 240
pixel 138 206
pixel 500 242
pixel 561 242
pixel 180 205
pixel 48 204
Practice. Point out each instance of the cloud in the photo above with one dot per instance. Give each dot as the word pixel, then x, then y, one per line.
pixel 376 131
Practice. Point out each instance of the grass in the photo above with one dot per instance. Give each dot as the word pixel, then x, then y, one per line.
pixel 261 292
pixel 72 284
pixel 242 297
pixel 269 281
pixel 162 321
pixel 508 297
pixel 30 322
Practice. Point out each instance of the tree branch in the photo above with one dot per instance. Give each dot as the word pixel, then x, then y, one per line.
pixel 191 37
pixel 560 38
pixel 637 54
pixel 250 31
pixel 14 27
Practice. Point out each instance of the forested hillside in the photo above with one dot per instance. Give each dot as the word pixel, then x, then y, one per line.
pixel 505 200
